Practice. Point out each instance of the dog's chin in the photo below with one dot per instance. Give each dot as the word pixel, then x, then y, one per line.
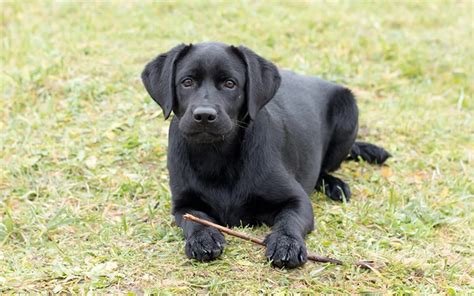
pixel 205 137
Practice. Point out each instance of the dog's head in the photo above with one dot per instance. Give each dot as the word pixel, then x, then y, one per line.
pixel 210 87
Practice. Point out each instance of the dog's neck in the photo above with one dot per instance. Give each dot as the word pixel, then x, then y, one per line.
pixel 219 160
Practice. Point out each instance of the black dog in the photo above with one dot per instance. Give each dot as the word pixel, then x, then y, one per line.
pixel 249 143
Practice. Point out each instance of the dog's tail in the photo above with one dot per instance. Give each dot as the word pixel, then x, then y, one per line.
pixel 368 152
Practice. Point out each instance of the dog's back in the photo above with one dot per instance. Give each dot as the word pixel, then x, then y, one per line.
pixel 302 112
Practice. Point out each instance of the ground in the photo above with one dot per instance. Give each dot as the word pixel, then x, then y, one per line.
pixel 83 147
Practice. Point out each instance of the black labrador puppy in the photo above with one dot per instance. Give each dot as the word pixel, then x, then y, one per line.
pixel 249 143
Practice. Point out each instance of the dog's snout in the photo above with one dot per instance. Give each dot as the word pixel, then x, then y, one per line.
pixel 205 114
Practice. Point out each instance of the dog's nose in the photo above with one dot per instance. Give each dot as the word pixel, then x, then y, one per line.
pixel 205 114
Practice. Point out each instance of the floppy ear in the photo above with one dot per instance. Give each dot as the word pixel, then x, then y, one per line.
pixel 263 79
pixel 158 77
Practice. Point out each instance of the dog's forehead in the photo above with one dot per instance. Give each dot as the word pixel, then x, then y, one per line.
pixel 211 57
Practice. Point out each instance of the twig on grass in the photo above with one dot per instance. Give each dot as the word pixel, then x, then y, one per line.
pixel 312 257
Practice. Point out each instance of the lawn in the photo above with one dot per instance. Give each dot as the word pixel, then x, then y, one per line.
pixel 83 147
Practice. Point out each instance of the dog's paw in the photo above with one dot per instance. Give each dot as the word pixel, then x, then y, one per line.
pixel 205 245
pixel 335 188
pixel 285 251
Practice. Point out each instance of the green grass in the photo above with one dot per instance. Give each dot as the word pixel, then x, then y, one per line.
pixel 83 147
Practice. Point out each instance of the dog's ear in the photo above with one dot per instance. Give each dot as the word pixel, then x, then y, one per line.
pixel 159 75
pixel 263 79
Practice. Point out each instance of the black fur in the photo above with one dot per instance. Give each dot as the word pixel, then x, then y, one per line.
pixel 333 187
pixel 368 152
pixel 249 143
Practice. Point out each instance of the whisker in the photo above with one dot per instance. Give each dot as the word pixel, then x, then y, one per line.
pixel 240 124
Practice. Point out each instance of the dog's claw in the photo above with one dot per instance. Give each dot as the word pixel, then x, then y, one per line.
pixel 300 257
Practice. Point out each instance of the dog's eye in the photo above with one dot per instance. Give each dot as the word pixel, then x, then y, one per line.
pixel 229 84
pixel 188 82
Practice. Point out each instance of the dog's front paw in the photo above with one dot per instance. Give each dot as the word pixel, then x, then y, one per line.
pixel 205 245
pixel 285 251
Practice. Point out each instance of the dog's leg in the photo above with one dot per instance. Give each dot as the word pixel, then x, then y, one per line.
pixel 368 152
pixel 285 244
pixel 333 187
pixel 203 243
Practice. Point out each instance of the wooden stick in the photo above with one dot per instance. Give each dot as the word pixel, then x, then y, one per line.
pixel 312 257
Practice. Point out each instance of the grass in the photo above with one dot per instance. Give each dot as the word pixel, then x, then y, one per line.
pixel 83 148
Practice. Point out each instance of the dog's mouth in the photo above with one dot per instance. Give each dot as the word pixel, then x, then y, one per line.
pixel 205 132
pixel 206 137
